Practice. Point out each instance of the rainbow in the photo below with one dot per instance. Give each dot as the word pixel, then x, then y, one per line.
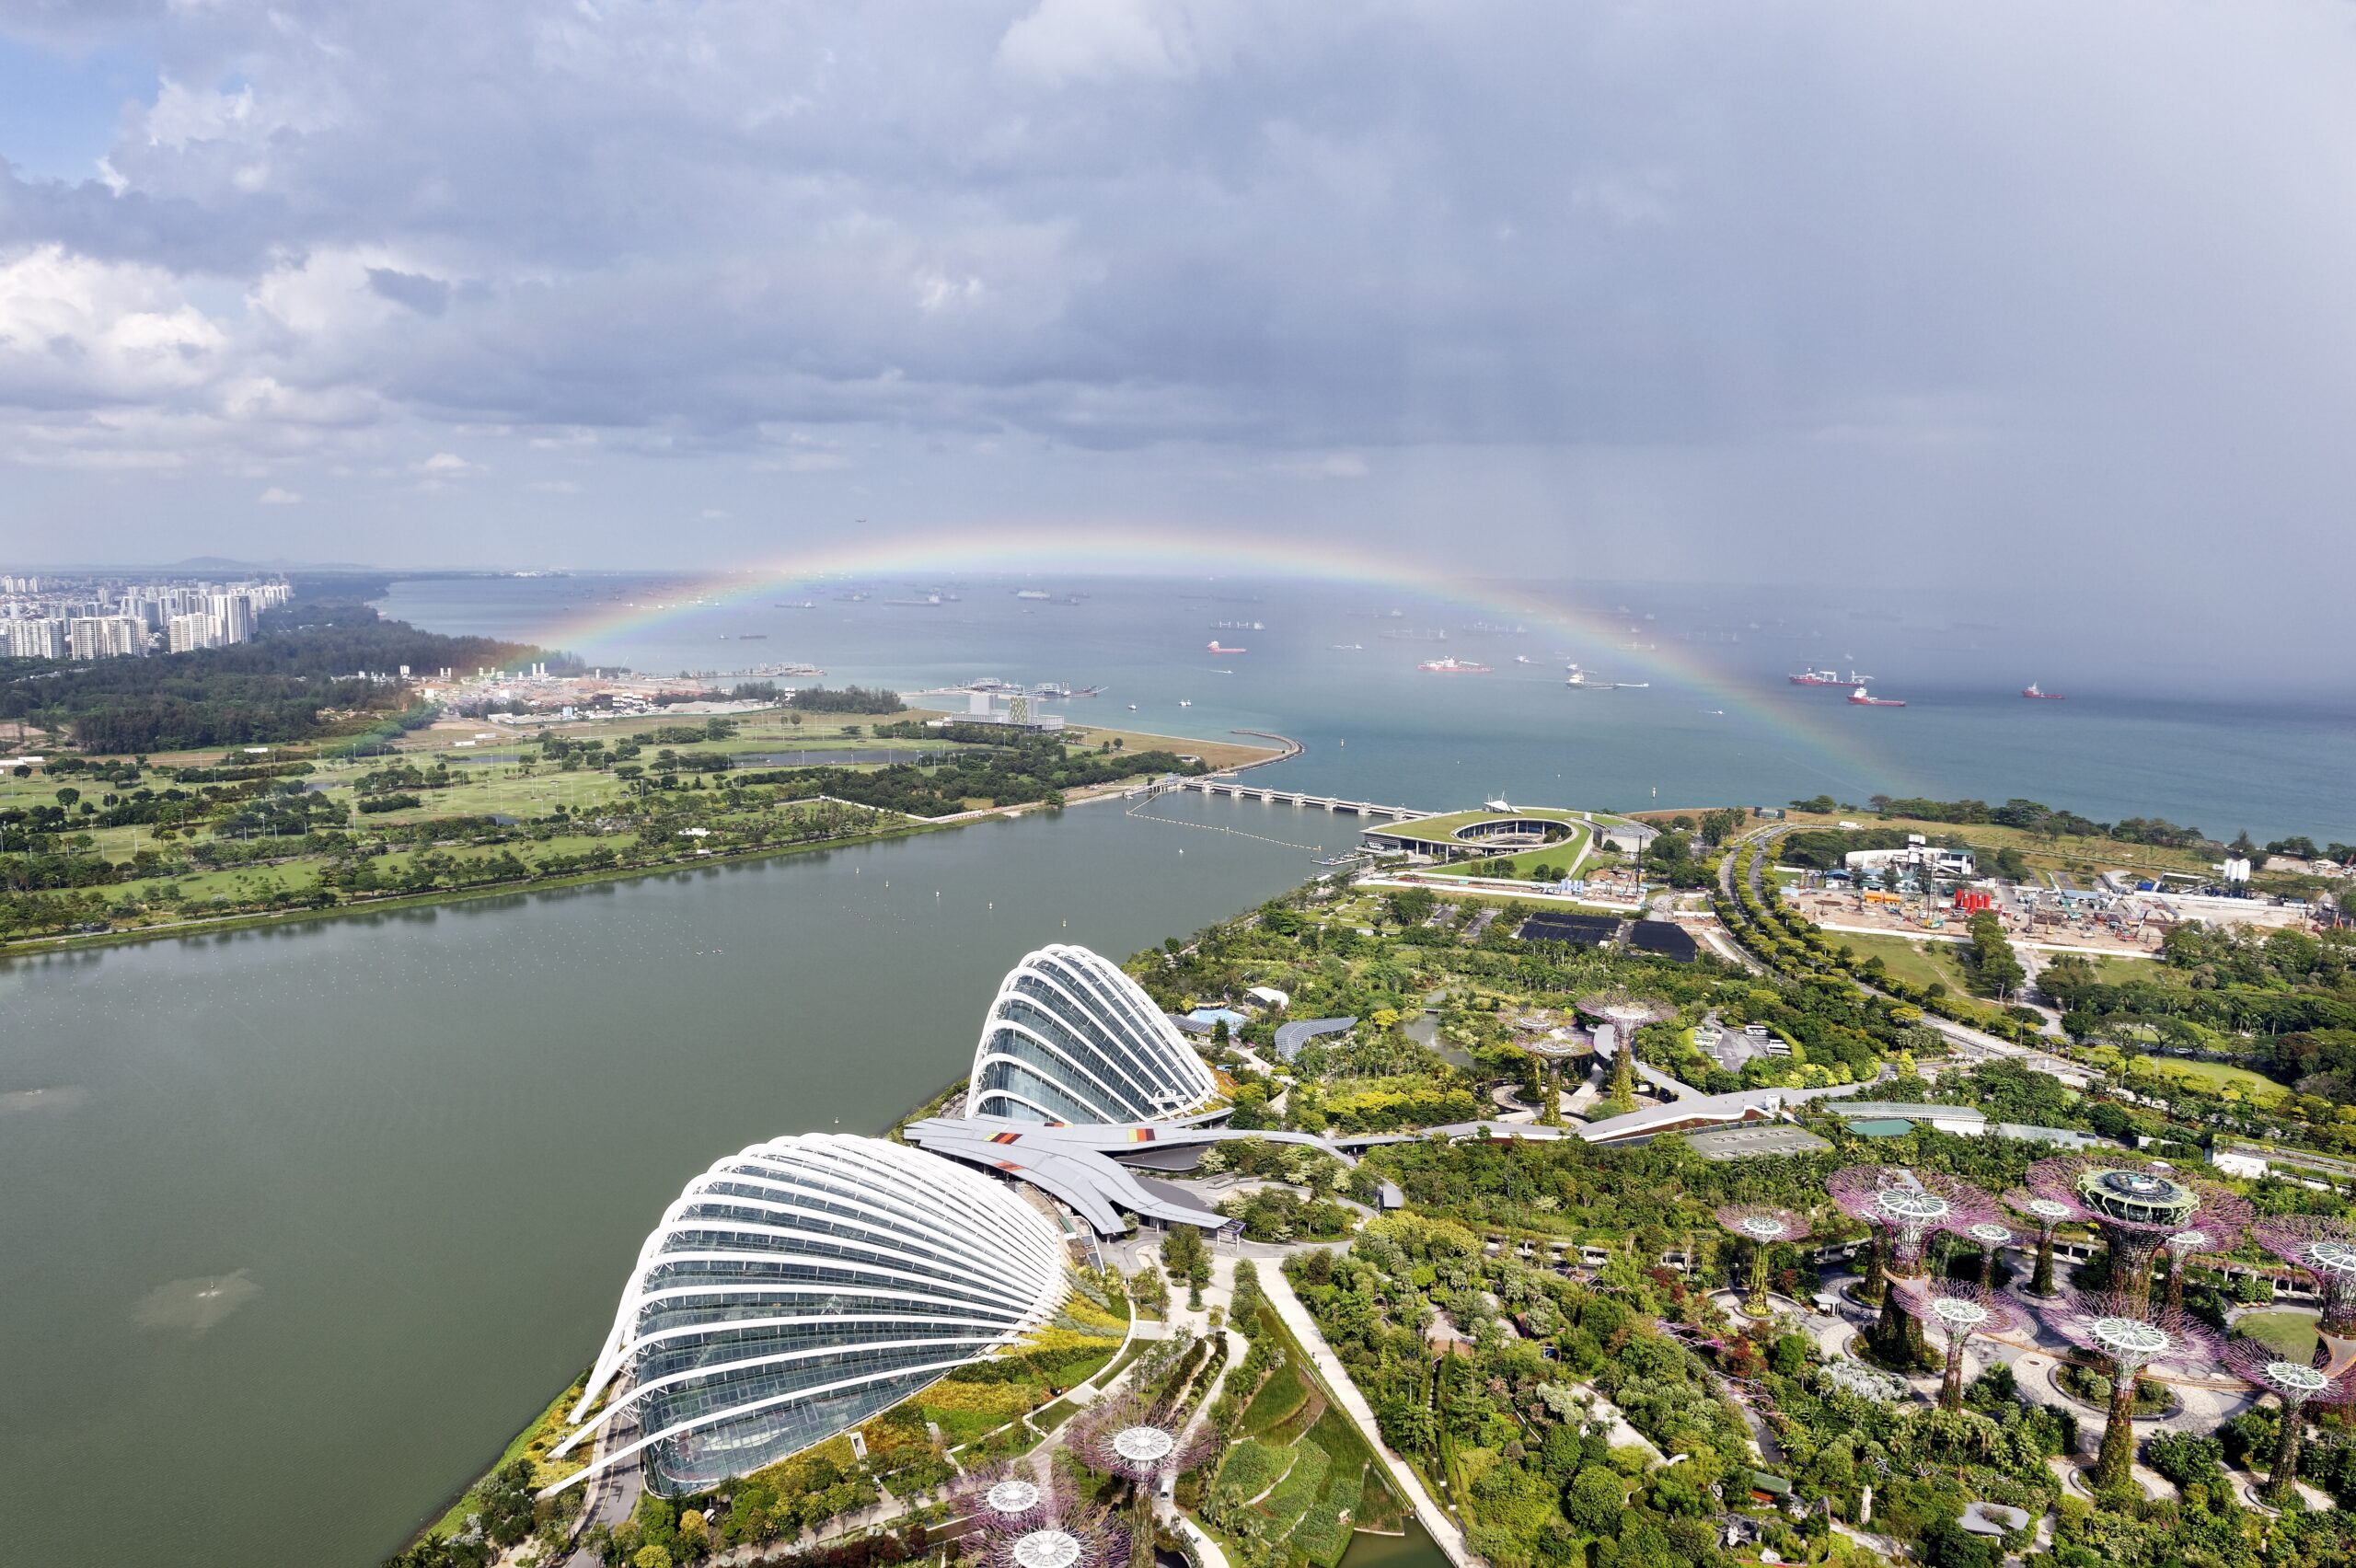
pixel 1197 554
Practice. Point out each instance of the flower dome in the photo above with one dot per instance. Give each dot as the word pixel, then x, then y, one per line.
pixel 1070 1038
pixel 799 1286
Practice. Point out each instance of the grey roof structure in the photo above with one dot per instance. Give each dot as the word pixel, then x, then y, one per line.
pixel 1704 1113
pixel 1291 1037
pixel 1759 1138
pixel 1090 1166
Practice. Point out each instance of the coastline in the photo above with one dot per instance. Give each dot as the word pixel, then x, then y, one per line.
pixel 35 947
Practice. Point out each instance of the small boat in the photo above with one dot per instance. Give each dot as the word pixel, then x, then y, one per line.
pixel 1133 708
pixel 1184 703
pixel 2032 692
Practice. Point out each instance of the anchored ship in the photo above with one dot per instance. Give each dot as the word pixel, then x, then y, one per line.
pixel 2030 691
pixel 1452 667
pixel 1213 646
pixel 1864 698
pixel 1815 677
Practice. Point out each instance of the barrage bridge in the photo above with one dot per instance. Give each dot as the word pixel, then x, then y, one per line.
pixel 1212 784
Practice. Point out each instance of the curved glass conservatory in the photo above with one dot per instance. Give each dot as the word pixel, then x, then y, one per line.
pixel 1070 1038
pixel 797 1288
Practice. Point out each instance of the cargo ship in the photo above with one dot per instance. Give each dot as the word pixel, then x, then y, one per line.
pixel 1864 698
pixel 1815 677
pixel 1452 667
pixel 2030 691
pixel 1213 646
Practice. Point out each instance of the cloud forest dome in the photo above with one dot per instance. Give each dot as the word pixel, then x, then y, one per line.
pixel 800 1285
pixel 1070 1038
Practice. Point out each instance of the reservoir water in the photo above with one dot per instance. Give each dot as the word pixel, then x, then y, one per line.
pixel 302 1225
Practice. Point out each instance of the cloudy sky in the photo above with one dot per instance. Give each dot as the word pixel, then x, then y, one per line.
pixel 1836 290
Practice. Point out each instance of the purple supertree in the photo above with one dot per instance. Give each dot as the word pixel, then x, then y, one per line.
pixel 1906 1209
pixel 2127 1335
pixel 2047 1212
pixel 1991 1237
pixel 1763 1228
pixel 1128 1438
pixel 1095 1541
pixel 2138 1208
pixel 2224 1223
pixel 2325 1249
pixel 2293 1382
pixel 1956 1311
pixel 1007 1499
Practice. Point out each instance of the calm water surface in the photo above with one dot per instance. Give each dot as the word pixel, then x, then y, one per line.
pixel 302 1225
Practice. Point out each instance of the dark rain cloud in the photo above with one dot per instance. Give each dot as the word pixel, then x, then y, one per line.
pixel 1992 251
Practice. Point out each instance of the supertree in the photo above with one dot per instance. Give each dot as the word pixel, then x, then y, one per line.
pixel 2137 1207
pixel 2220 1231
pixel 2293 1382
pixel 1906 1209
pixel 1763 1228
pixel 1991 1237
pixel 1128 1438
pixel 1007 1499
pixel 2325 1249
pixel 2127 1335
pixel 1094 1542
pixel 1956 1311
pixel 2047 1213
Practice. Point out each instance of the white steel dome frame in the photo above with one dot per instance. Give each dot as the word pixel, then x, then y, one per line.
pixel 798 1287
pixel 1070 1038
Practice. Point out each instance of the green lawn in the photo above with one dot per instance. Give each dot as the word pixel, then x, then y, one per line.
pixel 2255 1087
pixel 2290 1335
pixel 1438 829
pixel 1522 864
pixel 1905 959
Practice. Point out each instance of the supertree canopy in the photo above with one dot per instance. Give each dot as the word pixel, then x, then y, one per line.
pixel 2294 1383
pixel 1005 1498
pixel 2126 1335
pixel 2325 1249
pixel 2220 1231
pixel 1097 1542
pixel 2046 1212
pixel 1991 1237
pixel 1956 1311
pixel 1128 1437
pixel 1763 1228
pixel 2137 1207
pixel 1906 1208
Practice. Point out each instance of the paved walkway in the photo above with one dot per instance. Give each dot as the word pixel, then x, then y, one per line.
pixel 1435 1519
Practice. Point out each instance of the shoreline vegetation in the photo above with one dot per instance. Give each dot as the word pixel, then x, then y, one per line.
pixel 263 814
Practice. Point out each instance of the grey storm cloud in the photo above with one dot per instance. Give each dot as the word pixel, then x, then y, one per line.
pixel 2002 248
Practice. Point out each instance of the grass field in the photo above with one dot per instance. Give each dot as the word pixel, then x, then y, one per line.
pixel 1528 860
pixel 1918 964
pixel 1440 829
pixel 2255 1087
pixel 2290 1335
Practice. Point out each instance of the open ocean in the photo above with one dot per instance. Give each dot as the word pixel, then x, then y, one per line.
pixel 1717 724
